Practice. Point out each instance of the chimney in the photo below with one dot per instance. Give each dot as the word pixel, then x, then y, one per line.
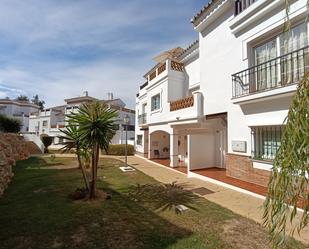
pixel 110 96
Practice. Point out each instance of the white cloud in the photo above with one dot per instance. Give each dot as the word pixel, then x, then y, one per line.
pixel 62 48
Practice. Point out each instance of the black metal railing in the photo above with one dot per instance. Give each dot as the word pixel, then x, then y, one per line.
pixel 241 5
pixel 265 141
pixel 144 85
pixel 284 70
pixel 142 119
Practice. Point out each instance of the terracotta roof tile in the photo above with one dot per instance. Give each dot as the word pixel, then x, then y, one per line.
pixel 195 19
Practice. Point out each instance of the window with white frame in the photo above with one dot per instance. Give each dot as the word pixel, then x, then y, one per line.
pixel 139 140
pixel 45 123
pixel 271 71
pixel 266 141
pixel 155 102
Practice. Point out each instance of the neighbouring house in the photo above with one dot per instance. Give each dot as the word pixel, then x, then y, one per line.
pixel 221 103
pixel 50 121
pixel 19 110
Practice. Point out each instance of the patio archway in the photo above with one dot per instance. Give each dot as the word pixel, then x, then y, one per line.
pixel 159 145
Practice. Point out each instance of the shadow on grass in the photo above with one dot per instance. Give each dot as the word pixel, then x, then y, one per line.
pixel 163 196
pixel 48 219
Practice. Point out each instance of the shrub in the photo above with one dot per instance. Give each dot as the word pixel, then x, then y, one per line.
pixel 119 150
pixel 47 141
pixel 8 124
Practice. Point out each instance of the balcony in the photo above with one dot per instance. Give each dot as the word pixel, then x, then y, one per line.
pixel 142 119
pixel 58 125
pixel 276 73
pixel 182 104
pixel 241 5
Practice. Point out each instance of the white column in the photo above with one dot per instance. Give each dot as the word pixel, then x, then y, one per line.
pixel 189 152
pixel 174 150
pixel 149 146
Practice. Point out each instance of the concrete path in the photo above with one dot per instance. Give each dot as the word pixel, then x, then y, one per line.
pixel 240 203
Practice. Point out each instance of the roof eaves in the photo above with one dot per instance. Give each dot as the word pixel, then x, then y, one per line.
pixel 188 49
pixel 197 18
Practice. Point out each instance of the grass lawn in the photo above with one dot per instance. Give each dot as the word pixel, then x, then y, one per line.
pixel 35 212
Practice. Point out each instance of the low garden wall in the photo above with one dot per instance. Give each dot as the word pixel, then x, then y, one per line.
pixel 12 149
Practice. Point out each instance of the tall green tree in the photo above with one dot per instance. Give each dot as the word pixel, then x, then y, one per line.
pixel 71 140
pixel 36 100
pixel 22 98
pixel 288 186
pixel 96 129
pixel 289 183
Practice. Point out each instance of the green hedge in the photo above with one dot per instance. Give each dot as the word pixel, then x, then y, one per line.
pixel 119 150
pixel 8 124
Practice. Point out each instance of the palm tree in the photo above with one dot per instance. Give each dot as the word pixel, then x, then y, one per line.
pixel 72 141
pixel 96 130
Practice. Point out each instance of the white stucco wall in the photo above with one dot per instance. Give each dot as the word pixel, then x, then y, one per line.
pixel 225 49
pixel 201 150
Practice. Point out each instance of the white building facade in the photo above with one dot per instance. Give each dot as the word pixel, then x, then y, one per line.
pixel 19 110
pixel 50 121
pixel 226 107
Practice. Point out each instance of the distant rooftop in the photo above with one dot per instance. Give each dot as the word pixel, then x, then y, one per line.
pixel 18 102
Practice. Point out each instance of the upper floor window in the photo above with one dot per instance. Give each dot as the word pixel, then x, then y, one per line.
pixel 139 140
pixel 144 106
pixel 45 123
pixel 155 102
pixel 271 71
pixel 266 141
pixel 294 39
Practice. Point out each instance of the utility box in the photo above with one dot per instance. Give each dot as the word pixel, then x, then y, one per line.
pixel 239 146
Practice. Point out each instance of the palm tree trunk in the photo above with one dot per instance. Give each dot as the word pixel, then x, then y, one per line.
pixel 82 169
pixel 94 171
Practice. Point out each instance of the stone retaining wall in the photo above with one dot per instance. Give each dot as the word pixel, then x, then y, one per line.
pixel 12 149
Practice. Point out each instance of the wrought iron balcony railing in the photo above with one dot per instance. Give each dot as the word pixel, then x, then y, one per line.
pixel 142 119
pixel 282 71
pixel 241 5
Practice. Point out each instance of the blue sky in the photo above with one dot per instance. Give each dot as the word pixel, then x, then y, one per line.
pixel 61 48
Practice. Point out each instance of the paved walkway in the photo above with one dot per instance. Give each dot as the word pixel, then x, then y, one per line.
pixel 240 203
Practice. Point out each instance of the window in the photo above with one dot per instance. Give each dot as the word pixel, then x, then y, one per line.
pixel 45 123
pixel 295 65
pixel 284 70
pixel 266 75
pixel 155 102
pixel 266 141
pixel 139 140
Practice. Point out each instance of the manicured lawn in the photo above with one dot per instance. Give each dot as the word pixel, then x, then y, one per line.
pixel 35 212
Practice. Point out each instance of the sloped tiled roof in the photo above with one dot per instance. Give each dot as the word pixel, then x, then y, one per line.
pixel 188 49
pixel 195 20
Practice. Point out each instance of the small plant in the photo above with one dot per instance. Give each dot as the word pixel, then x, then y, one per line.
pixel 47 141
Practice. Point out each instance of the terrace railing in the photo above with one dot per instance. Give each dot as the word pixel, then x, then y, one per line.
pixel 182 103
pixel 282 71
pixel 241 5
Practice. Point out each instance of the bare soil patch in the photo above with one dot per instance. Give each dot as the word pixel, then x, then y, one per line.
pixel 245 234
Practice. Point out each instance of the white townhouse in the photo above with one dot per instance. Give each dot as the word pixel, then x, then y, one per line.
pixel 224 105
pixel 50 121
pixel 19 110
